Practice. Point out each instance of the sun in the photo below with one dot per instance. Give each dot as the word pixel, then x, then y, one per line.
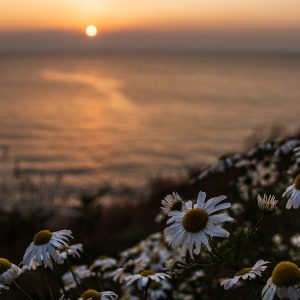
pixel 91 31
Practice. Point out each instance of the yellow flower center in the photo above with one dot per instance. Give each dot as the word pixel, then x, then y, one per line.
pixel 102 257
pixel 154 285
pixel 4 265
pixel 63 249
pixel 147 273
pixel 176 205
pixel 73 268
pixel 297 182
pixel 42 237
pixel 91 294
pixel 243 271
pixel 286 274
pixel 195 220
pixel 156 258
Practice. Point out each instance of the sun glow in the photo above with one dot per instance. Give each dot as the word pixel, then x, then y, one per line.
pixel 91 31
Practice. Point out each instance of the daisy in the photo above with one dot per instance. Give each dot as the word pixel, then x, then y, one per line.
pixel 158 258
pixel 73 251
pixel 284 282
pixel 79 272
pixel 171 203
pixel 146 276
pixel 43 248
pixel 95 295
pixel 158 290
pixel 8 272
pixel 131 266
pixel 293 193
pixel 245 274
pixel 190 227
pixel 266 203
pixel 103 263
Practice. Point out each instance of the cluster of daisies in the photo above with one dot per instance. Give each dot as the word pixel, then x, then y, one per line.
pixel 192 225
pixel 198 236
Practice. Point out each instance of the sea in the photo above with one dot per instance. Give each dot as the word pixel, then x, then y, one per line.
pixel 125 118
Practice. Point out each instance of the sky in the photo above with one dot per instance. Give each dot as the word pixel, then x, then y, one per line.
pixel 255 24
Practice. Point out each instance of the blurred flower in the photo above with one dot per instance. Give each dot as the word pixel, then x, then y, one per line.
pixel 43 248
pixel 288 146
pixel 80 272
pixel 8 272
pixel 95 295
pixel 170 263
pixel 3 287
pixel 191 226
pixel 297 154
pixel 103 263
pixel 283 282
pixel 237 208
pixel 245 274
pixel 73 251
pixel 158 290
pixel 145 276
pixel 266 203
pixel 171 203
pixel 132 266
pixel 293 194
pixel 295 240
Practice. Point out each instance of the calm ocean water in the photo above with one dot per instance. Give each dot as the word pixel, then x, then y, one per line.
pixel 125 118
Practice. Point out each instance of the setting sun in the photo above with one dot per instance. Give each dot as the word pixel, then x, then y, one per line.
pixel 91 30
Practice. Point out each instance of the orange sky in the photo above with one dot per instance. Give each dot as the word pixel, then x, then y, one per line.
pixel 118 15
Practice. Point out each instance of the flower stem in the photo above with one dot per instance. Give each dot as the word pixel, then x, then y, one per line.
pixel 253 291
pixel 21 290
pixel 46 283
pixel 58 275
pixel 98 276
pixel 145 296
pixel 73 274
pixel 250 233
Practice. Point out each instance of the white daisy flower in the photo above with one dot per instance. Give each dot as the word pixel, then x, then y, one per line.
pixel 132 266
pixel 245 274
pixel 103 263
pixel 145 276
pixel 293 194
pixel 95 295
pixel 171 203
pixel 158 290
pixel 266 203
pixel 43 248
pixel 284 282
pixel 158 258
pixel 72 250
pixel 8 272
pixel 80 272
pixel 190 228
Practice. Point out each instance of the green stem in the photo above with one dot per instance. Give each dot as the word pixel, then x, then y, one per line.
pixel 250 233
pixel 46 283
pixel 253 291
pixel 145 296
pixel 98 276
pixel 222 259
pixel 21 290
pixel 73 274
pixel 58 275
